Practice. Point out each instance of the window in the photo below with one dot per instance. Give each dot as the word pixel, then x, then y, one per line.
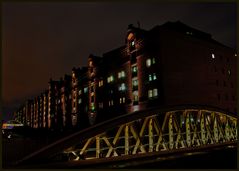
pixel 135 82
pixel 150 77
pixel 92 106
pixel 111 103
pixel 155 92
pixel 213 56
pixel 85 89
pixel 101 105
pixel 79 92
pixel 224 83
pixel 229 72
pixel 154 76
pixel 134 69
pixel 121 74
pixel 217 82
pixel 100 83
pixel 150 93
pixel 122 87
pixel 122 100
pixel 153 61
pixel 135 96
pixel 148 62
pixel 79 101
pixel 110 79
pixel 132 43
pixel 226 96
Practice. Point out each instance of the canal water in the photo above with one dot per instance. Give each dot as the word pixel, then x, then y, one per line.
pixel 218 159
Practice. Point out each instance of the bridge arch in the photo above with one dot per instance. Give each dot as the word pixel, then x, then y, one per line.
pixel 150 131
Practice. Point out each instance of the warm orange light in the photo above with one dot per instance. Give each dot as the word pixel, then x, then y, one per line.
pixel 130 36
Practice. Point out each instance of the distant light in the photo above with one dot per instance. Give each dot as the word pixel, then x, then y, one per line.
pixel 235 54
pixel 213 56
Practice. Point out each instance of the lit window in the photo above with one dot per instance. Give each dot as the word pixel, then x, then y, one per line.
pixel 122 74
pixel 153 61
pixel 213 56
pixel 150 77
pixel 85 89
pixel 92 106
pixel 110 79
pixel 150 93
pixel 148 62
pixel 120 100
pixel 229 72
pixel 135 96
pixel 119 74
pixel 79 101
pixel 79 92
pixel 123 99
pixel 135 82
pixel 154 76
pixel 155 92
pixel 69 96
pixel 122 87
pixel 132 43
pixel 100 83
pixel 134 69
pixel 235 54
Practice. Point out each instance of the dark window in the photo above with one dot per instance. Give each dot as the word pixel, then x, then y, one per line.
pixel 233 98
pixel 231 85
pixel 223 70
pixel 226 96
pixel 217 82
pixel 224 83
pixel 218 97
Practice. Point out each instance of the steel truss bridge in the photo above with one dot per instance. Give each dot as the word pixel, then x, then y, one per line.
pixel 154 131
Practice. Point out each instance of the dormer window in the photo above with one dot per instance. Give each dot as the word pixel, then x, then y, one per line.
pixel 131 41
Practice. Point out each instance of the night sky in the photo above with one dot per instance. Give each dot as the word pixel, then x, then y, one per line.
pixel 46 40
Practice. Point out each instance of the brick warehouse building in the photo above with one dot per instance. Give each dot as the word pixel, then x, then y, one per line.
pixel 171 64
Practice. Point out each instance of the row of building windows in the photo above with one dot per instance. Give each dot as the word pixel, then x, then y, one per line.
pixel 226 97
pixel 220 57
pixel 224 84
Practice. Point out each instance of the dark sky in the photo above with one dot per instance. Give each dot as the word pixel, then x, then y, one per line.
pixel 46 40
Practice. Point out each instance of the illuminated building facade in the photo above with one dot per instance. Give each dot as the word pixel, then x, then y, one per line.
pixel 171 64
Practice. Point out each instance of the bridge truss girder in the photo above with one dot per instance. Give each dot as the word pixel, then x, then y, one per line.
pixel 172 130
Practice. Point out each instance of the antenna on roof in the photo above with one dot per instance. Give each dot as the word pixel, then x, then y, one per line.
pixel 138 24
